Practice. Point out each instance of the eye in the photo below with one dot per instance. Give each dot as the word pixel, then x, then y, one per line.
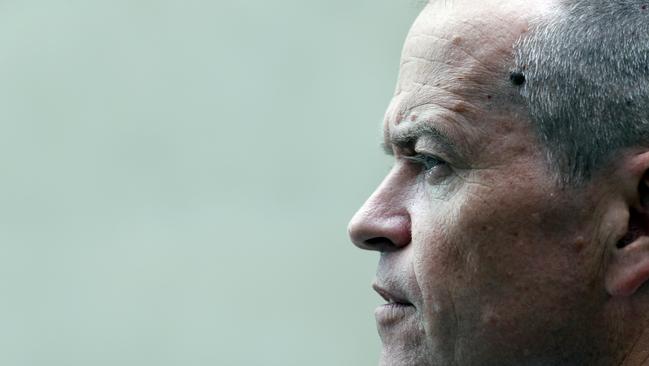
pixel 433 169
pixel 427 162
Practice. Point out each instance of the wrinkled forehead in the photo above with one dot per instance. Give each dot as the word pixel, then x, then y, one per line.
pixel 478 35
pixel 457 55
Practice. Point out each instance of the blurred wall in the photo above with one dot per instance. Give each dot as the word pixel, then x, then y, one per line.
pixel 176 177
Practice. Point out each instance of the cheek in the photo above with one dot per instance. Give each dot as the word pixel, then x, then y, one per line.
pixel 492 264
pixel 528 265
pixel 517 243
pixel 437 266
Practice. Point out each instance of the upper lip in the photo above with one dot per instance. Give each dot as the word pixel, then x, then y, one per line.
pixel 391 295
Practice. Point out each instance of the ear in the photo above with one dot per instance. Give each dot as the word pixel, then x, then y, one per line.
pixel 628 268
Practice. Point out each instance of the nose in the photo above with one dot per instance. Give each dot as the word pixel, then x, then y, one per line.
pixel 383 222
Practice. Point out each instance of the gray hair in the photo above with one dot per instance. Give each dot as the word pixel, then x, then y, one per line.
pixel 586 82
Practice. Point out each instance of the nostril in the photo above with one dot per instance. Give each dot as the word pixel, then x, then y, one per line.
pixel 380 227
pixel 381 244
pixel 377 241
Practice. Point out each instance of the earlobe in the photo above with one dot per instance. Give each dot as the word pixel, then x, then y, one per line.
pixel 629 268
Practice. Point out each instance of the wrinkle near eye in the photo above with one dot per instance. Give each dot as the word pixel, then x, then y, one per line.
pixel 410 134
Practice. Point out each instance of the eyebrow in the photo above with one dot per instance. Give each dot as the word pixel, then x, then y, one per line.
pixel 408 137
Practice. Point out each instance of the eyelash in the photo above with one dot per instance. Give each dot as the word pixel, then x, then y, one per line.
pixel 427 162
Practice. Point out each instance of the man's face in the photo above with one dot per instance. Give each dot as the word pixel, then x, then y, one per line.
pixel 484 260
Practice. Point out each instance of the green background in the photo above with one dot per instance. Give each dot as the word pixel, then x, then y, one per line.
pixel 177 175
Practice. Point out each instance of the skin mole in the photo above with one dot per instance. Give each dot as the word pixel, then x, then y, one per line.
pixel 517 78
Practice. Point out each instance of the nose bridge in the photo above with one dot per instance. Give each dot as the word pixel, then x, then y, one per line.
pixel 390 195
pixel 383 222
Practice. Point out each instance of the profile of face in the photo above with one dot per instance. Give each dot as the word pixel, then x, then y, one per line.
pixel 484 258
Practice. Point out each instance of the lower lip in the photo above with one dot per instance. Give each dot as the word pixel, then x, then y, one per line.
pixel 392 313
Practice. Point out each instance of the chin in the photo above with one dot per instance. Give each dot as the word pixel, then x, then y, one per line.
pixel 411 356
pixel 390 357
pixel 405 349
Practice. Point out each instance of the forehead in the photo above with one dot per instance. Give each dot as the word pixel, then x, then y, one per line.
pixel 455 58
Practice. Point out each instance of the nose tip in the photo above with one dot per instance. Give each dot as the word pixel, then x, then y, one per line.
pixel 383 232
pixel 383 222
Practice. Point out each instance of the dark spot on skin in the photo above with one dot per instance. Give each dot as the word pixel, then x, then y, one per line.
pixel 398 119
pixel 517 78
pixel 580 243
pixel 413 118
pixel 643 7
pixel 488 96
pixel 459 108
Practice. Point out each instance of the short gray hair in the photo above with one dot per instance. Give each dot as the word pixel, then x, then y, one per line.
pixel 586 82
